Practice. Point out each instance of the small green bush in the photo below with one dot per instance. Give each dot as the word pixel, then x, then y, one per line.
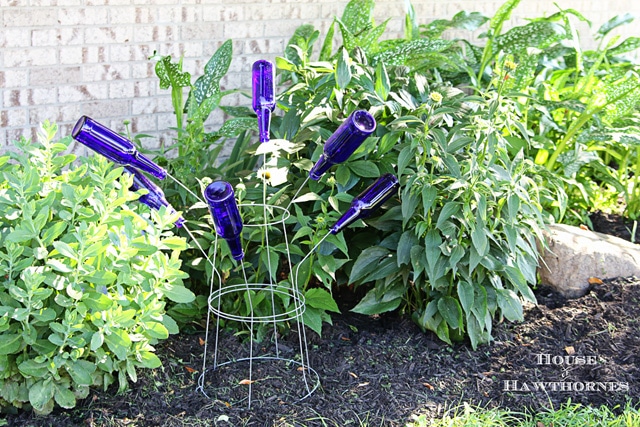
pixel 84 275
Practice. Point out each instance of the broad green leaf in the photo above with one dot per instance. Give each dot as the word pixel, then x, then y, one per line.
pixel 537 34
pixel 284 64
pixel 466 296
pixel 312 317
pixel 64 397
pixel 450 209
pixel 10 343
pixel 343 174
pixel 172 325
pixel 178 293
pixel 34 369
pixel 156 330
pixel 450 310
pixel 475 331
pixel 270 260
pixel 300 43
pixel 41 393
pixel 628 45
pixel 343 70
pixel 429 194
pixel 149 360
pixel 97 340
pixel 411 29
pixel 53 231
pixel 327 46
pixel 208 84
pixel 372 303
pixel 118 342
pixel 367 261
pixel 321 299
pixel 303 273
pixel 307 197
pixel 368 40
pixel 20 235
pixel 348 38
pixel 236 125
pixel 174 243
pixel 44 315
pixel 81 371
pixel 464 20
pixel 97 301
pixel 510 305
pixel 404 158
pixel 413 50
pixel 364 168
pixel 357 15
pixel 479 238
pixel 615 22
pixel 409 203
pixel 387 142
pixel 131 371
pixel 171 74
pixel 65 250
pixel 513 204
pixel 101 277
pixel 407 241
pixel 502 15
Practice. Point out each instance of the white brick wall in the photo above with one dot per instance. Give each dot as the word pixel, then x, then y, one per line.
pixel 60 59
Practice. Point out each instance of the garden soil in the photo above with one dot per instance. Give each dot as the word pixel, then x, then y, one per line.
pixel 381 371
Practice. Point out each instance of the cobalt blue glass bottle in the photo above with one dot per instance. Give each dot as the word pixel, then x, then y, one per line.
pixel 264 100
pixel 155 198
pixel 114 147
pixel 344 141
pixel 226 217
pixel 365 203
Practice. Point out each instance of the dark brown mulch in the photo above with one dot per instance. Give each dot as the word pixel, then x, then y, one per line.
pixel 380 371
pixel 615 225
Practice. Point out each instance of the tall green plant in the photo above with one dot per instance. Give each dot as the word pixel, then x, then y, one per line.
pixel 195 151
pixel 459 248
pixel 568 94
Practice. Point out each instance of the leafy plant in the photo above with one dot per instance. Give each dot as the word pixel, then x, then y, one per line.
pixel 195 155
pixel 254 184
pixel 579 105
pixel 195 152
pixel 460 248
pixel 85 273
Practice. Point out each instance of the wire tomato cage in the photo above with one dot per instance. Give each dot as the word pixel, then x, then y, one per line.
pixel 277 368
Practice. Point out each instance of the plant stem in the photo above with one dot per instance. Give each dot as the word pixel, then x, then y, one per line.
pixel 575 127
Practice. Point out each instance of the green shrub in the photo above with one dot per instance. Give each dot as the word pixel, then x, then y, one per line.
pixel 84 275
pixel 460 247
pixel 579 106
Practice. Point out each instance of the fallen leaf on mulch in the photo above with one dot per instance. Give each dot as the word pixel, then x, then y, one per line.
pixel 246 382
pixel 570 350
pixel 189 369
pixel 595 281
pixel 429 386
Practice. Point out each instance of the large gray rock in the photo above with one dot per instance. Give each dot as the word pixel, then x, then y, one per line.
pixel 574 255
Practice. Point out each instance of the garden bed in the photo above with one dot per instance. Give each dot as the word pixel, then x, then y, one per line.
pixel 380 371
